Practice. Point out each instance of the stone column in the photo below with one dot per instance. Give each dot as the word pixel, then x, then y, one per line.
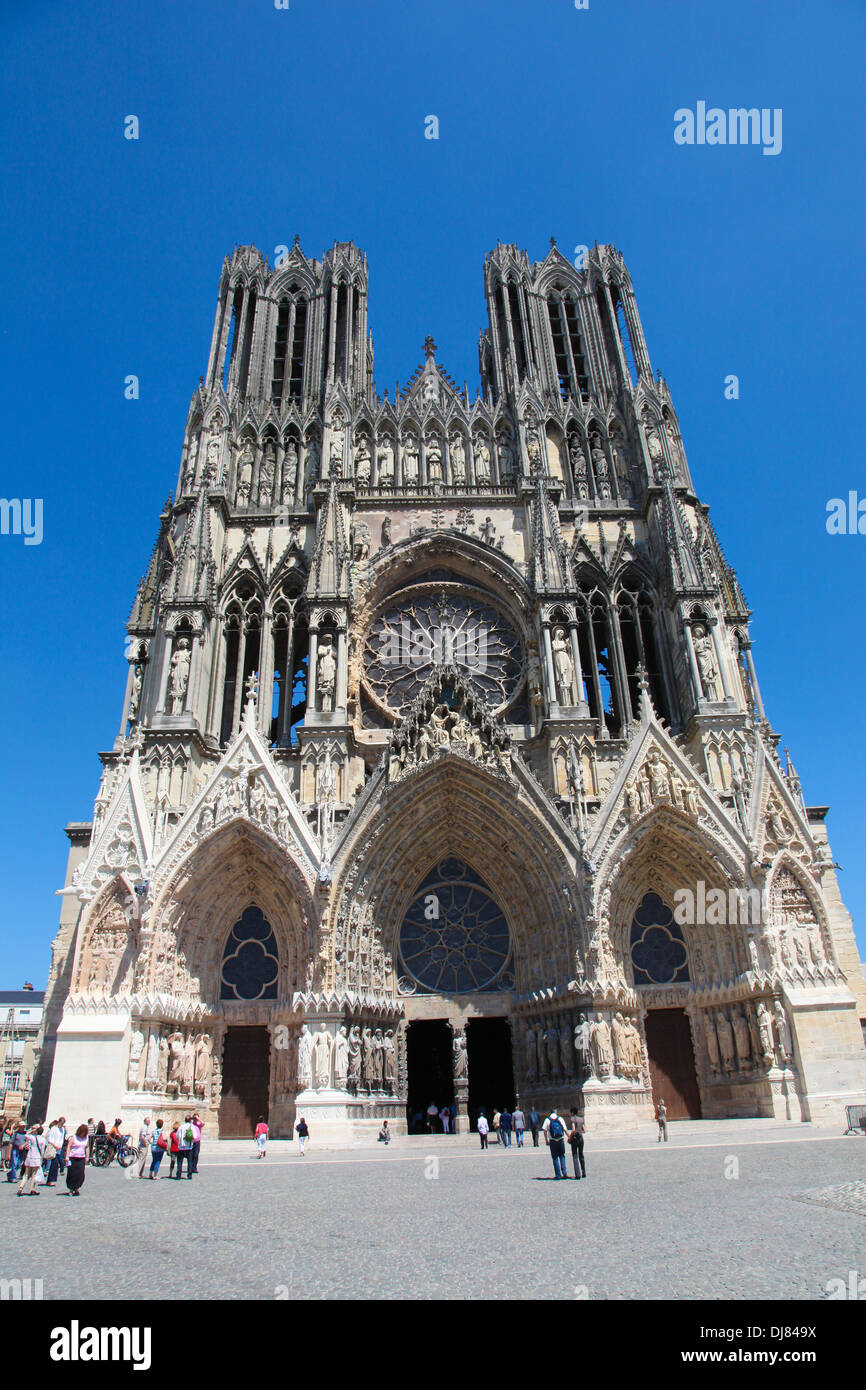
pixel 753 678
pixel 553 693
pixel 340 694
pixel 311 668
pixel 266 676
pixel 693 663
pixel 575 656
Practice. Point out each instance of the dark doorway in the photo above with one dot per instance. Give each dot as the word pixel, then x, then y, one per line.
pixel 246 1081
pixel 672 1063
pixel 428 1055
pixel 491 1070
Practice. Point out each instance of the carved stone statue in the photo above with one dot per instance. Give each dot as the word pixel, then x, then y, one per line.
pixel 245 474
pixel 321 1055
pixel 188 1066
pixel 460 1059
pixel 368 1052
pixel 305 1059
pixel 600 468
pixel 620 1045
pixel 386 532
pixel 162 1073
pixel 712 1044
pixel 326 673
pixel 565 1050
pixel 353 1075
pixel 742 1039
pixel 151 1075
pixel 563 668
pixel 783 1031
pixel 551 1044
pixel 203 1066
pixel 363 460
pixel 176 1056
pixel 433 452
pixel 602 1049
pixel 385 462
pixel 582 1034
pixel 530 1056
pixel 179 678
pixel 266 475
pixel 290 473
pixel 410 459
pixel 706 661
pixel 136 1048
pixel 457 452
pixel 579 469
pixel 726 1040
pixel 481 451
pixel 341 1058
pixel 389 1060
pixel 765 1033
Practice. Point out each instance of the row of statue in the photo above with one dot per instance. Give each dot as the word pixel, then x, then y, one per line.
pixel 600 1048
pixel 657 782
pixel 360 960
pixel 435 726
pixel 238 793
pixel 358 1059
pixel 170 1062
pixel 746 1038
pixel 453 469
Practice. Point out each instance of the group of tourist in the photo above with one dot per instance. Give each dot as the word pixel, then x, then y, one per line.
pixel 38 1155
pixel 555 1130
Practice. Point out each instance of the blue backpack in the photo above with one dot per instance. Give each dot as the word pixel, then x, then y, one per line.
pixel 557 1129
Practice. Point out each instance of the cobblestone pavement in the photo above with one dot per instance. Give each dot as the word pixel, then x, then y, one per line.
pixel 711 1214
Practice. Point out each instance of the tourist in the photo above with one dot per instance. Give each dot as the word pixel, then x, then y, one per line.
pixel 554 1133
pixel 534 1126
pixel 55 1137
pixel 77 1161
pixel 452 1110
pixel 662 1117
pixel 64 1146
pixel 483 1129
pixel 197 1128
pixel 518 1121
pixel 19 1146
pixel 91 1135
pixel 384 1133
pixel 303 1133
pixel 261 1137
pixel 432 1116
pixel 145 1143
pixel 158 1146
pixel 575 1139
pixel 172 1148
pixel 8 1136
pixel 444 1116
pixel 33 1155
pixel 185 1138
pixel 505 1122
pixel 496 1118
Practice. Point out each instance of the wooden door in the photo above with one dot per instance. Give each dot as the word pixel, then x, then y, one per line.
pixel 246 1082
pixel 672 1063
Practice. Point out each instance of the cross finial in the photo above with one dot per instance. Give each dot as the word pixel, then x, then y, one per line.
pixel 429 346
pixel 553 241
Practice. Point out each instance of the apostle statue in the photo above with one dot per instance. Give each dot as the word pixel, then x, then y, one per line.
pixel 305 1059
pixel 353 1075
pixel 321 1056
pixel 726 1040
pixel 706 661
pixel 460 1058
pixel 601 1044
pixel 582 1044
pixel 389 1056
pixel 179 677
pixel 341 1058
pixel 783 1031
pixel 203 1066
pixel 326 673
pixel 563 668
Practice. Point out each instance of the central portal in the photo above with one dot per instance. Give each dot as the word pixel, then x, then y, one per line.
pixel 491 1069
pixel 429 1051
pixel 246 1080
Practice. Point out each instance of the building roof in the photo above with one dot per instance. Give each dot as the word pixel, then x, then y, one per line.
pixel 22 996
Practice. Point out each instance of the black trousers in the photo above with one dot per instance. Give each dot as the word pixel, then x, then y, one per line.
pixel 193 1166
pixel 534 1129
pixel 181 1155
pixel 577 1156
pixel 483 1138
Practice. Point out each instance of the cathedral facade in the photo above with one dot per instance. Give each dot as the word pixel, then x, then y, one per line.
pixel 443 773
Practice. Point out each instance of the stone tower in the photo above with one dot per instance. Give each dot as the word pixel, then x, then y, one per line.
pixel 443 772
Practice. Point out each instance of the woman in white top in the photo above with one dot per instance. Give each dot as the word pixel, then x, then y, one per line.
pixel 32 1162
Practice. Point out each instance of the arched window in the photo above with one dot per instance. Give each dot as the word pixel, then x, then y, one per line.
pixel 658 951
pixel 597 659
pixel 251 961
pixel 567 344
pixel 242 635
pixel 639 644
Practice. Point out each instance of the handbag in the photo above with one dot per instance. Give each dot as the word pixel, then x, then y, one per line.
pixel 162 1142
pixel 49 1151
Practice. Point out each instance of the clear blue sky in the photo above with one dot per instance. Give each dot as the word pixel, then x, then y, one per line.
pixel 257 124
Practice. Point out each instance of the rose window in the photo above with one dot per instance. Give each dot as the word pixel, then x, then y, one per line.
pixel 454 938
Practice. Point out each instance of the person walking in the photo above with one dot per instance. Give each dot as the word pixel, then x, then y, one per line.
pixel 91 1135
pixel 662 1117
pixel 185 1138
pixel 303 1134
pixel 483 1129
pixel 432 1117
pixel 145 1144
pixel 518 1122
pixel 197 1128
pixel 575 1139
pixel 54 1139
pixel 172 1148
pixel 33 1155
pixel 444 1117
pixel 158 1146
pixel 62 1151
pixel 77 1161
pixel 261 1137
pixel 554 1133
pixel 19 1146
pixel 534 1126
pixel 505 1127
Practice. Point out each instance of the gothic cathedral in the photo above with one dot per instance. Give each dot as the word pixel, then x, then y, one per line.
pixel 443 775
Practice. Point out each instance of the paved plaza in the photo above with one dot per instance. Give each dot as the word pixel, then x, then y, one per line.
pixel 652 1221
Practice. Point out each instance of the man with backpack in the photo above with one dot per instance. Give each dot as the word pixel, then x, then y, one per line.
pixel 185 1141
pixel 554 1133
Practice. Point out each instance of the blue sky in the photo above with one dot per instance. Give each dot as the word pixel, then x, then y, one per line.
pixel 257 124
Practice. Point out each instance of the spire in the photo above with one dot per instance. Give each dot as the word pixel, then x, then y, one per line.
pixel 549 564
pixel 195 568
pixel 685 570
pixel 329 574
